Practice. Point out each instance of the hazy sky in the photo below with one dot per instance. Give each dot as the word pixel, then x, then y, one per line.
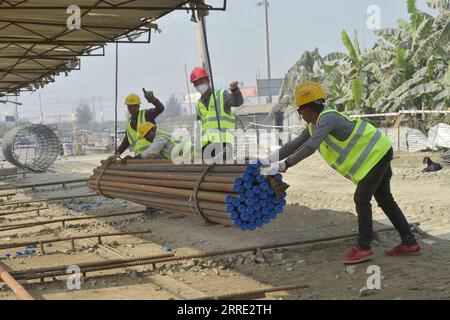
pixel 236 40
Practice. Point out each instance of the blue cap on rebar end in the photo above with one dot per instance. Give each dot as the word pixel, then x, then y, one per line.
pixel 233 215
pixel 250 202
pixel 229 198
pixel 167 249
pixel 237 222
pixel 257 207
pixel 251 226
pixel 265 186
pixel 263 203
pixel 265 211
pixel 278 209
pixel 248 170
pixel 6 254
pixel 244 217
pixel 278 176
pixel 236 188
pixel 241 209
pixel 259 223
pixel 242 198
pixel 230 208
pixel 249 194
pixel 260 179
pixel 248 185
pixel 263 195
pixel 252 218
pixel 256 189
pixel 237 181
pixel 236 202
pixel 247 177
pixel 258 215
pixel 273 215
pixel 249 210
pixel 266 219
pixel 243 227
pixel 19 253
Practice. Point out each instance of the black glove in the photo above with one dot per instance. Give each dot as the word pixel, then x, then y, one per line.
pixel 149 95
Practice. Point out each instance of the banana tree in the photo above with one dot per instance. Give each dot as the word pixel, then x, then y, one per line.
pixel 307 68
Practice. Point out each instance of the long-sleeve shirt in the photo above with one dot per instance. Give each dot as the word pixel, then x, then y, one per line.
pixel 150 116
pixel 230 99
pixel 159 144
pixel 305 145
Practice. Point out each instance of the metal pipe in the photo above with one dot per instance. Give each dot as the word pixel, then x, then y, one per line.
pixel 7 194
pixel 170 176
pixel 156 198
pixel 146 260
pixel 48 199
pixel 176 168
pixel 23 244
pixel 23 211
pixel 41 271
pixel 253 293
pixel 222 187
pixel 18 290
pixel 202 195
pixel 34 185
pixel 40 223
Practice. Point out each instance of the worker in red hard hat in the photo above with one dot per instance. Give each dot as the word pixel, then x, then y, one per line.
pixel 211 122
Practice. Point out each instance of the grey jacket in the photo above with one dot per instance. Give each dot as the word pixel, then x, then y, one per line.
pixel 231 99
pixel 305 145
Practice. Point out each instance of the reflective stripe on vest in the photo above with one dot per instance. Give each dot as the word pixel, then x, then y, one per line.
pixel 209 120
pixel 358 154
pixel 137 144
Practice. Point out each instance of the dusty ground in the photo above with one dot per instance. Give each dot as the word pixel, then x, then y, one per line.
pixel 320 205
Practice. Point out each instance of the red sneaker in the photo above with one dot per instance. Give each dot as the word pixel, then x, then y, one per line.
pixel 403 249
pixel 358 255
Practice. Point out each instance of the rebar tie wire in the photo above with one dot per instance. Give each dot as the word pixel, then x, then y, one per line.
pixel 194 195
pixel 99 177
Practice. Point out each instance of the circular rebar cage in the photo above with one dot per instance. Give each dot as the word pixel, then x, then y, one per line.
pixel 34 147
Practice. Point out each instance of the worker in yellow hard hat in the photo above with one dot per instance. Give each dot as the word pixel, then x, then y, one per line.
pixel 162 145
pixel 138 116
pixel 359 152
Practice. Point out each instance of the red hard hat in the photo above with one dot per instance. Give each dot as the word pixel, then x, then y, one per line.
pixel 198 73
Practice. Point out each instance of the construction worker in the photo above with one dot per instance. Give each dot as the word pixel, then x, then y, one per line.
pixel 211 122
pixel 358 151
pixel 131 139
pixel 162 145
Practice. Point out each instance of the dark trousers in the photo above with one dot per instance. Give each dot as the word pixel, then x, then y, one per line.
pixel 377 183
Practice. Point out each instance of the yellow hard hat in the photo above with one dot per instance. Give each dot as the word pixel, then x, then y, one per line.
pixel 308 92
pixel 144 128
pixel 132 99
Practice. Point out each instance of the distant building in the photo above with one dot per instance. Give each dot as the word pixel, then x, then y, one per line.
pixel 259 114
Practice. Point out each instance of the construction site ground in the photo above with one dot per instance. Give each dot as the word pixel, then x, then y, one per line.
pixel 320 205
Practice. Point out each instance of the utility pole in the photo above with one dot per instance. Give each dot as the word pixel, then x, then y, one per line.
pixel 16 115
pixel 189 91
pixel 265 3
pixel 42 111
pixel 201 46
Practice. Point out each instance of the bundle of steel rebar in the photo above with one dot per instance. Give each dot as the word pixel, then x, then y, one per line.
pixel 231 195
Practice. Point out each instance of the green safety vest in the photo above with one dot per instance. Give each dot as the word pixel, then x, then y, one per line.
pixel 356 156
pixel 209 119
pixel 137 144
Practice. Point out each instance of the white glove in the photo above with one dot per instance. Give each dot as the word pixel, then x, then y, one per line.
pixel 273 168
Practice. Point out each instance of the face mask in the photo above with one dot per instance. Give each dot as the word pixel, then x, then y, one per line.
pixel 202 88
